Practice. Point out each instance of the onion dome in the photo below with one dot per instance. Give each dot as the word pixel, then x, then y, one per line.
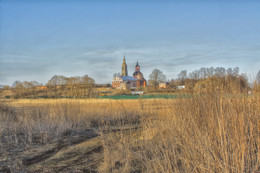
pixel 139 76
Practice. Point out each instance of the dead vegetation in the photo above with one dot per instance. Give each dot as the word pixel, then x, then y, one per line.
pixel 213 132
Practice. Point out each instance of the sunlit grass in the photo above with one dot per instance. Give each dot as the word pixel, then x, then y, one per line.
pixel 213 132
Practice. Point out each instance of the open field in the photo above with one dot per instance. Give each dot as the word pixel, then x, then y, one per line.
pixel 208 133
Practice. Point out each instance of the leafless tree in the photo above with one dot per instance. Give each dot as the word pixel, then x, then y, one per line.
pixel 88 85
pixel 23 89
pixel 182 76
pixel 258 77
pixel 54 83
pixel 156 77
pixel 16 83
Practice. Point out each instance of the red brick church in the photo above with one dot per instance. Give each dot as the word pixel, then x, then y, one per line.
pixel 128 82
pixel 139 76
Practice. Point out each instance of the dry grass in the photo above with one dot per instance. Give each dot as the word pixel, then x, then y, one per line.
pixel 215 132
pixel 210 133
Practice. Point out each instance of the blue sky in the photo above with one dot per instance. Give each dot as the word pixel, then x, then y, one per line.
pixel 39 39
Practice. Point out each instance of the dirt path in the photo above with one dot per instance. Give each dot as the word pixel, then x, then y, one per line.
pixel 63 154
pixel 74 152
pixel 61 145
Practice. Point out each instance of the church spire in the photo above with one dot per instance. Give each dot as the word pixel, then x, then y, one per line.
pixel 137 67
pixel 124 68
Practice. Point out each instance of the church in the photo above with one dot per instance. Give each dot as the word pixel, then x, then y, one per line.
pixel 129 82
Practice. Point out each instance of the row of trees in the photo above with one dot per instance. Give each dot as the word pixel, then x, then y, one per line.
pixel 25 89
pixel 57 86
pixel 83 86
pixel 204 73
pixel 229 79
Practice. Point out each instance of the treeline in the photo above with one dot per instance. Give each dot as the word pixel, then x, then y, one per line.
pixel 210 79
pixel 199 81
pixel 58 86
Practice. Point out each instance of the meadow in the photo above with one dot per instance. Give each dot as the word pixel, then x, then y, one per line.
pixel 212 132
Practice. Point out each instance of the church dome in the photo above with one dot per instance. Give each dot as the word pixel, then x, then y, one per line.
pixel 139 76
pixel 136 73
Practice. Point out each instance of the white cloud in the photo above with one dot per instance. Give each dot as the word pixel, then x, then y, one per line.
pixel 102 62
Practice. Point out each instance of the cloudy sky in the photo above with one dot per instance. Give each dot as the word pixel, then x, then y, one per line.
pixel 39 39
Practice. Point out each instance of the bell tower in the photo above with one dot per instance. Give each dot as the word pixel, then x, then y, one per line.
pixel 124 68
pixel 137 67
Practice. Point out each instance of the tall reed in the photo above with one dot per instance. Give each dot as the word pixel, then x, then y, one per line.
pixel 215 132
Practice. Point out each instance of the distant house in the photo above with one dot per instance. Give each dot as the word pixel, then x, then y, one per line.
pixel 163 85
pixel 137 92
pixel 124 82
pixel 41 87
pixel 180 87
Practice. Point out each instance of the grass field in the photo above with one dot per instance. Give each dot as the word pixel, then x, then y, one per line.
pixel 207 133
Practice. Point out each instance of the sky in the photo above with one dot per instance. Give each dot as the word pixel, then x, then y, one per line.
pixel 43 38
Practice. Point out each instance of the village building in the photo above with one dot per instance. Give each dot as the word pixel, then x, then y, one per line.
pixel 180 87
pixel 141 82
pixel 163 85
pixel 129 82
pixel 124 82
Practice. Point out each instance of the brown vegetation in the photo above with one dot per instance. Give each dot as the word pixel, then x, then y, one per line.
pixel 213 132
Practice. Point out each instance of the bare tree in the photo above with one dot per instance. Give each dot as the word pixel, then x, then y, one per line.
pixel 88 85
pixel 23 89
pixel 258 77
pixel 74 84
pixel 156 77
pixel 34 90
pixel 19 90
pixel 172 83
pixel 229 71
pixel 236 71
pixel 211 71
pixel 57 80
pixel 54 83
pixel 220 71
pixel 16 83
pixel 182 76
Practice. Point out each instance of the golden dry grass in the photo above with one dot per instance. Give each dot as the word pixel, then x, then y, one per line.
pixel 215 132
pixel 209 133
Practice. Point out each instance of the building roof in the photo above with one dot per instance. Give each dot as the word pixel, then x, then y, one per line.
pixel 128 78
pixel 136 73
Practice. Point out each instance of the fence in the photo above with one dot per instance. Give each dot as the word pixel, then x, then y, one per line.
pixel 142 97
